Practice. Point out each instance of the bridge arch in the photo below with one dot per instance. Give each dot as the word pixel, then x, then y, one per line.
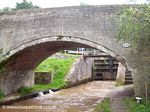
pixel 23 33
pixel 26 56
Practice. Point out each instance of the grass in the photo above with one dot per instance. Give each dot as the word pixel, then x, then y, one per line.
pixel 59 67
pixel 25 90
pixel 135 107
pixel 1 94
pixel 104 106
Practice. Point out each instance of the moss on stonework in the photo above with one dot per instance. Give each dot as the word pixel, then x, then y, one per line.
pixel 2 67
pixel 1 94
pixel 119 82
pixel 4 60
pixel 2 64
pixel 1 50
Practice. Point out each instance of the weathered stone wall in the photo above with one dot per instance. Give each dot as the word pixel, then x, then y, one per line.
pixel 43 77
pixel 121 74
pixel 89 25
pixel 12 81
pixel 80 72
pixel 29 36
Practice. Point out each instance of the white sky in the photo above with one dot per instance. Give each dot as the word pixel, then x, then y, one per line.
pixel 59 3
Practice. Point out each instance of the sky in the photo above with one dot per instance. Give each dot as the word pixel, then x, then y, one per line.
pixel 60 3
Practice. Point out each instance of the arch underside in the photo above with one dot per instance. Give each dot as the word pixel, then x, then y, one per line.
pixel 28 55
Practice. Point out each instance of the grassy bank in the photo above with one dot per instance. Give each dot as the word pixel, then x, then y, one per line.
pixel 104 106
pixel 135 107
pixel 59 67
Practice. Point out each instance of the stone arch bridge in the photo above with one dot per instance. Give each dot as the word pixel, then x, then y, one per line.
pixel 29 36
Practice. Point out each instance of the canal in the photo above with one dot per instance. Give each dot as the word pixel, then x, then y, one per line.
pixel 82 98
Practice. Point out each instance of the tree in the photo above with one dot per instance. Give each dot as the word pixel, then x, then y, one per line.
pixel 83 4
pixel 22 5
pixel 25 5
pixel 134 24
pixel 6 9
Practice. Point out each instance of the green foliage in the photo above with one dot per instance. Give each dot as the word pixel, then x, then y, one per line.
pixel 1 50
pixel 135 107
pixel 1 94
pixel 83 4
pixel 59 67
pixel 6 9
pixel 25 90
pixel 134 24
pixel 2 67
pixel 22 5
pixel 25 5
pixel 104 106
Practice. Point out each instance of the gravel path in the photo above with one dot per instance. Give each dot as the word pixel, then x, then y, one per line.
pixel 117 105
pixel 117 97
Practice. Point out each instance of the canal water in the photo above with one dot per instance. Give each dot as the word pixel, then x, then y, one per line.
pixel 82 98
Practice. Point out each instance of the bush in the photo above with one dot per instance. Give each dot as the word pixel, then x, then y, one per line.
pixel 134 25
pixel 135 107
pixel 25 90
